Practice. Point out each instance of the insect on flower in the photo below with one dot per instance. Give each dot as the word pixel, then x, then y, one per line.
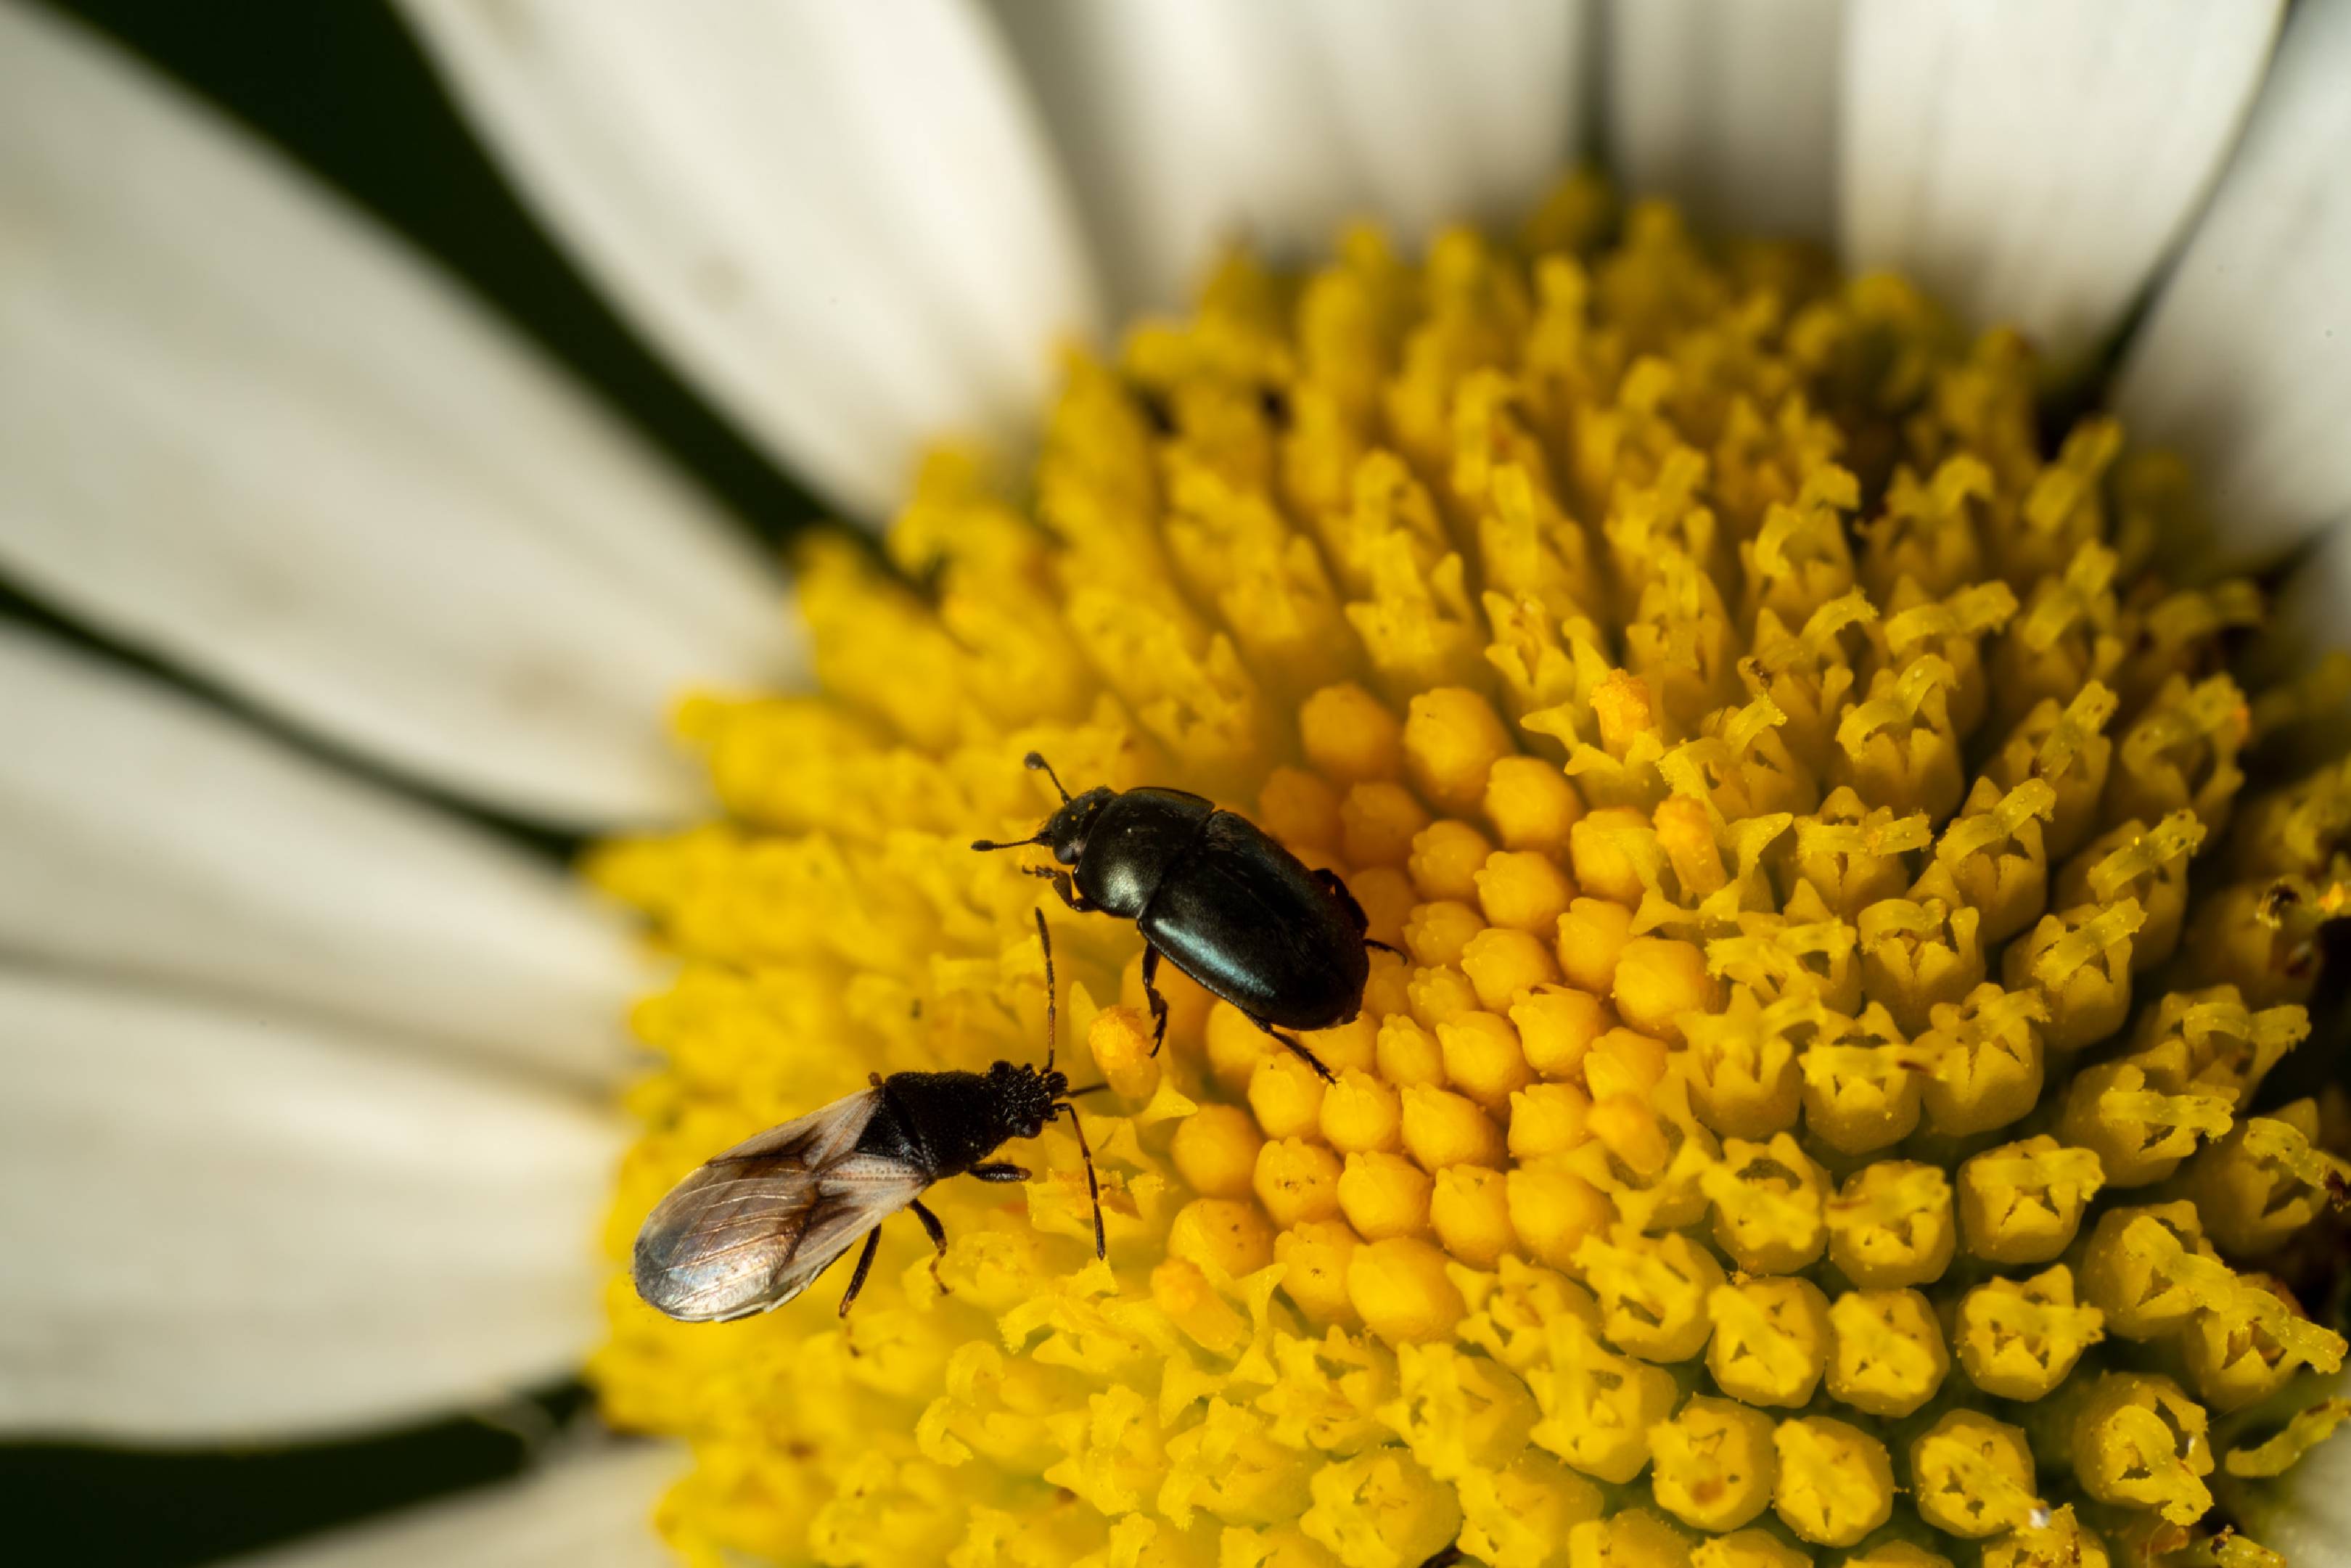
pixel 753 1228
pixel 1217 897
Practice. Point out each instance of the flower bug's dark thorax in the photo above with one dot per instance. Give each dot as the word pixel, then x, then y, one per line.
pixel 945 1123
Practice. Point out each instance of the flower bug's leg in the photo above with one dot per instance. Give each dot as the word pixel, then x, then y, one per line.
pixel 865 1267
pixel 1151 994
pixel 999 1170
pixel 1094 1183
pixel 1045 940
pixel 938 1241
pixel 1298 1046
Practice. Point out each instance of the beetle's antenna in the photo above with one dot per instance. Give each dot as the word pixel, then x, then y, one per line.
pixel 1045 939
pixel 1008 843
pixel 1083 1088
pixel 1094 1184
pixel 1035 762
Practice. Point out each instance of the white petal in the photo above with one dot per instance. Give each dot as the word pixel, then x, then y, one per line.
pixel 227 1224
pixel 243 428
pixel 2031 162
pixel 2245 363
pixel 142 834
pixel 2304 1515
pixel 842 218
pixel 591 1510
pixel 1729 108
pixel 1186 123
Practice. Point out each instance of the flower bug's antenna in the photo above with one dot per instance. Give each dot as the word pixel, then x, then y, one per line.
pixel 1051 1047
pixel 1045 940
pixel 1062 1106
pixel 1094 1184
pixel 1035 762
pixel 1083 1088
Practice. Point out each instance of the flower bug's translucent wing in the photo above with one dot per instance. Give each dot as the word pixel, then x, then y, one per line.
pixel 756 1226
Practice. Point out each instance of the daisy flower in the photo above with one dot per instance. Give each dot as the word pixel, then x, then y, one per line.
pixel 1807 641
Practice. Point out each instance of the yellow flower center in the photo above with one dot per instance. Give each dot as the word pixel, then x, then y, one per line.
pixel 1809 1111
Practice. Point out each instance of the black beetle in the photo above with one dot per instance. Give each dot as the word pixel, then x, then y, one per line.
pixel 1218 897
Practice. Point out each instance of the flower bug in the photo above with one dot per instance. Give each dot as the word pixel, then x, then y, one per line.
pixel 753 1228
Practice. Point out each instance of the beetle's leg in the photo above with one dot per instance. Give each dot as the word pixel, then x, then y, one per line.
pixel 865 1267
pixel 1338 890
pixel 999 1170
pixel 1151 994
pixel 938 1241
pixel 1066 887
pixel 1354 911
pixel 1298 1046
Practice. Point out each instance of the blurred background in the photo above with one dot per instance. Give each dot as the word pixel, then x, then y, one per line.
pixel 342 88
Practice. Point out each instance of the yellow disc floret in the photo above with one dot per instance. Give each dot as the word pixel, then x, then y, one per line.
pixel 1813 1110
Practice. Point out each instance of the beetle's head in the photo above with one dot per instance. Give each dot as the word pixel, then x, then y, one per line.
pixel 1066 830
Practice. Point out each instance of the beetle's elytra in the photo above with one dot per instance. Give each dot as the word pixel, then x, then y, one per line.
pixel 1216 896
